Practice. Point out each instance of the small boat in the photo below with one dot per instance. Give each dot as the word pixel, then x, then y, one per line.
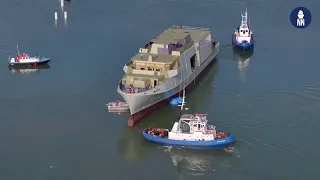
pixel 176 101
pixel 191 132
pixel 25 59
pixel 242 37
pixel 118 106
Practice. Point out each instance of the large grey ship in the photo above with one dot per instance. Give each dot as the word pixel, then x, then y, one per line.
pixel 164 67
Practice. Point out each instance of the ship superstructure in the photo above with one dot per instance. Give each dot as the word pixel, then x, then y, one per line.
pixel 164 67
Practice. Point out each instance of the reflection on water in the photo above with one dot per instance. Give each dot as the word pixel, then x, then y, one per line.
pixel 26 70
pixel 194 162
pixel 243 59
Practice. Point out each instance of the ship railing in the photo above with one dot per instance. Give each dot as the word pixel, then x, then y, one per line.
pixel 132 89
pixel 186 27
pixel 211 127
pixel 209 131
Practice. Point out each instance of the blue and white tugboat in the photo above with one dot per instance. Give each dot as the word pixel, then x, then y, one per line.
pixel 242 37
pixel 25 59
pixel 191 132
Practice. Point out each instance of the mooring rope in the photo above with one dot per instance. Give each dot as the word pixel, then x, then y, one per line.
pixel 137 128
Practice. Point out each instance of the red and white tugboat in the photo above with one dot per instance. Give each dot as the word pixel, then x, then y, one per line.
pixel 25 59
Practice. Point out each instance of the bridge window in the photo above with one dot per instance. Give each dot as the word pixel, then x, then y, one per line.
pixel 149 69
pixel 158 69
pixel 142 69
pixel 155 83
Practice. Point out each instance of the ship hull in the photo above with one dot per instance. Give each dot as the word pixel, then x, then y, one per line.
pixel 200 145
pixel 155 101
pixel 17 67
pixel 39 62
pixel 242 46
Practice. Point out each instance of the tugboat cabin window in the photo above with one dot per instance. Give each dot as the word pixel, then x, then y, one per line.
pixel 142 69
pixel 158 69
pixel 149 69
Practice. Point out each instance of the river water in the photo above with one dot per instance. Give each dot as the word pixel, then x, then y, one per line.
pixel 54 124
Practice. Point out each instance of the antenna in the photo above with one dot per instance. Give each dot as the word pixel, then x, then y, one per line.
pixel 244 18
pixel 18 49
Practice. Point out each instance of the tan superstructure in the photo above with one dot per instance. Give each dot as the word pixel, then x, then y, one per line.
pixel 155 63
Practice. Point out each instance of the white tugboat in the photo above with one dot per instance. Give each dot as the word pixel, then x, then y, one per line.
pixel 191 132
pixel 242 37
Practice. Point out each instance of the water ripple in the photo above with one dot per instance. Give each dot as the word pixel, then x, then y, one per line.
pixel 269 147
pixel 306 97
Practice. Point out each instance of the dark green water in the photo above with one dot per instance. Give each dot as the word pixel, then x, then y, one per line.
pixel 54 126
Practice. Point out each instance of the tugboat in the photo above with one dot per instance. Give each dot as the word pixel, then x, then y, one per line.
pixel 117 106
pixel 191 132
pixel 25 59
pixel 242 37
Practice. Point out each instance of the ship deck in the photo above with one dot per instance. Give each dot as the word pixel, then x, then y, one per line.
pixel 172 35
pixel 145 76
pixel 158 58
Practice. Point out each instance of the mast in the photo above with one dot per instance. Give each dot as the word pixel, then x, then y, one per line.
pixel 183 100
pixel 180 83
pixel 18 49
pixel 244 18
pixel 184 92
